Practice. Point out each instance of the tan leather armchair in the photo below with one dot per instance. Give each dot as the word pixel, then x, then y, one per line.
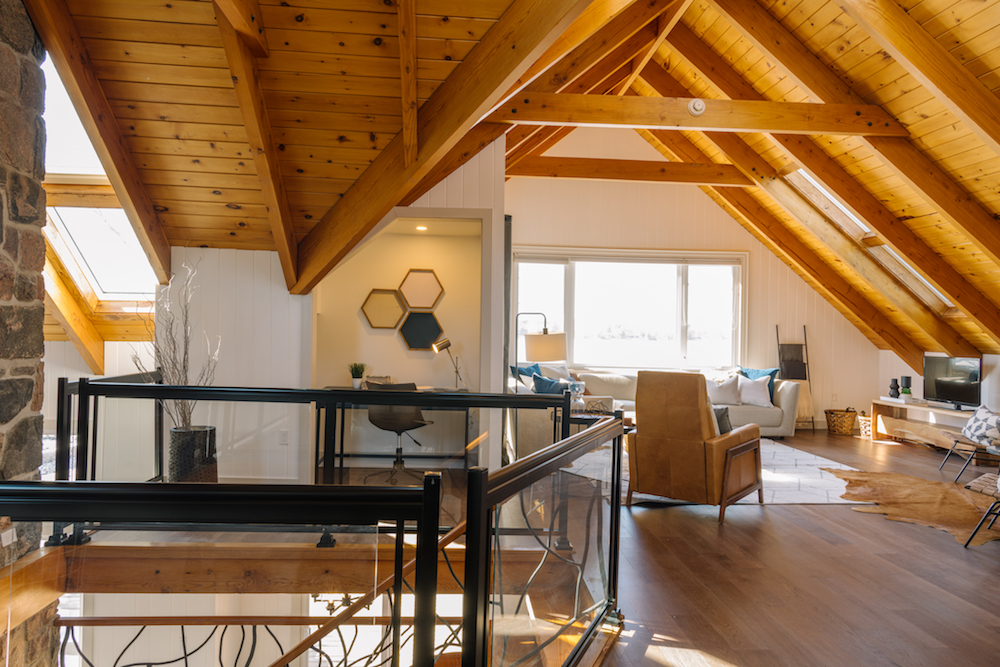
pixel 676 453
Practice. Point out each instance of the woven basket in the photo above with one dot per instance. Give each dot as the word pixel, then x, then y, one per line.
pixel 866 425
pixel 841 422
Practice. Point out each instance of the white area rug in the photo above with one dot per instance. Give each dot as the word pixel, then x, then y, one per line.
pixel 791 476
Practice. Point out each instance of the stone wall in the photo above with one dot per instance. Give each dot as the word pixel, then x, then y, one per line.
pixel 22 292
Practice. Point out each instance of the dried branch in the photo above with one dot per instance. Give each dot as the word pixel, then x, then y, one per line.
pixel 172 346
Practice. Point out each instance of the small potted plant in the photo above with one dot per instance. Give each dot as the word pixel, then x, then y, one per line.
pixel 357 373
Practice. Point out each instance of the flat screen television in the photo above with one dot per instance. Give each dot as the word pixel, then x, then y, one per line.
pixel 954 380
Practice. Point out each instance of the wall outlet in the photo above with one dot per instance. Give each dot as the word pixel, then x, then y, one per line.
pixel 283 437
pixel 834 398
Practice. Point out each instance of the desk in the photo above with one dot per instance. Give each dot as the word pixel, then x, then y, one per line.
pixel 442 441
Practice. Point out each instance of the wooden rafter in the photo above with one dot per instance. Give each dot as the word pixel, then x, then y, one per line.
pixel 250 95
pixel 73 194
pixel 407 10
pixel 862 203
pixel 832 285
pixel 477 85
pixel 68 312
pixel 62 40
pixel 847 250
pixel 665 22
pixel 930 64
pixel 245 17
pixel 630 170
pixel 905 159
pixel 675 113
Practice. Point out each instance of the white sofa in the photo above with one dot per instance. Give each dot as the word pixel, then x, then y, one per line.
pixel 774 422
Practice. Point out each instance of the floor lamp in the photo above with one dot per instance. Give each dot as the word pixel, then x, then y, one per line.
pixel 542 346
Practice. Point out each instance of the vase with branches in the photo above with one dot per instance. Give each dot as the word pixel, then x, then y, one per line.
pixel 192 448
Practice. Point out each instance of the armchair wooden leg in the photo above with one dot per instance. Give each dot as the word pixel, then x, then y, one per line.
pixel 758 485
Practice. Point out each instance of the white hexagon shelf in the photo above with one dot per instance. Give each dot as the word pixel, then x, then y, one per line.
pixel 421 289
pixel 384 309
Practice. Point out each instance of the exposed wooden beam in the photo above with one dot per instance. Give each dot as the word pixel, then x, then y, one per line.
pixel 244 16
pixel 665 22
pixel 56 27
pixel 872 240
pixel 82 195
pixel 830 284
pixel 630 170
pixel 34 581
pixel 407 30
pixel 847 250
pixel 249 94
pixel 57 252
pixel 905 159
pixel 521 34
pixel 852 194
pixel 930 64
pixel 81 331
pixel 675 113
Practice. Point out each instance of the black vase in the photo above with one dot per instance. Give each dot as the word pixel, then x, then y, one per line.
pixel 192 456
pixel 893 388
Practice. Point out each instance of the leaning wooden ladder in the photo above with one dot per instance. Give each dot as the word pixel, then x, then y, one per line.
pixel 793 360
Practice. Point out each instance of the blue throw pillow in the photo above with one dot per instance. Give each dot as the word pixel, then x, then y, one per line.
pixel 753 374
pixel 544 385
pixel 518 371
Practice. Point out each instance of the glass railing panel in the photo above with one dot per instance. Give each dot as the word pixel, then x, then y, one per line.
pixel 551 562
pixel 126 440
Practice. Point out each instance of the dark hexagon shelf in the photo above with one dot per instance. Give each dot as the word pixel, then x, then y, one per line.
pixel 420 330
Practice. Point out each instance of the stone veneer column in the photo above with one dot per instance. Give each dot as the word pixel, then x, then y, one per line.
pixel 22 293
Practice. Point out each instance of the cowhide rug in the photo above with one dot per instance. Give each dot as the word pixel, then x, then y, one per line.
pixel 941 505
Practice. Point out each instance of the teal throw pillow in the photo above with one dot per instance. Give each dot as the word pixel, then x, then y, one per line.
pixel 544 385
pixel 754 373
pixel 518 371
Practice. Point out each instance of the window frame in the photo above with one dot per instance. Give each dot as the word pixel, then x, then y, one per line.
pixel 567 256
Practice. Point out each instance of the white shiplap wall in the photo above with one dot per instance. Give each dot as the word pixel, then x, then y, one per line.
pixel 613 214
pixel 241 301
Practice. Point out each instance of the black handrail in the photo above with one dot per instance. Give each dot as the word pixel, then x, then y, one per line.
pixel 78 502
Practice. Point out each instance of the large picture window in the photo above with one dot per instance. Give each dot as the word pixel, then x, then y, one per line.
pixel 635 310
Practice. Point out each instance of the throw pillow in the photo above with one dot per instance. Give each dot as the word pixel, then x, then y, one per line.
pixel 725 392
pixel 754 373
pixel 545 385
pixel 554 372
pixel 983 426
pixel 722 418
pixel 524 373
pixel 754 392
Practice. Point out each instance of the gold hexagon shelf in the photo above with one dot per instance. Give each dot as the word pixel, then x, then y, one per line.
pixel 421 289
pixel 384 309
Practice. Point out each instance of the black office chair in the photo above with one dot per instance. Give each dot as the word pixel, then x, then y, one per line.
pixel 399 419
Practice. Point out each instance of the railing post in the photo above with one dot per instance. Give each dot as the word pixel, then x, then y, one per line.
pixel 82 429
pixel 475 604
pixel 424 616
pixel 63 402
pixel 160 469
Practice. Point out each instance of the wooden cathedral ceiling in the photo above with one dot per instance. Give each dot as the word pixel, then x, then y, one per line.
pixel 296 125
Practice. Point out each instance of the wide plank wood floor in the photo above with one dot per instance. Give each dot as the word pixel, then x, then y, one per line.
pixel 807 584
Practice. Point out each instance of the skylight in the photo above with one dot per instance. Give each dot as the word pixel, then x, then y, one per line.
pixel 105 246
pixel 67 147
pixel 905 264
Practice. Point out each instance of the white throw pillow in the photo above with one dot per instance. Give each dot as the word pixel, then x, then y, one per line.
pixel 755 392
pixel 725 392
pixel 621 387
pixel 557 372
pixel 983 426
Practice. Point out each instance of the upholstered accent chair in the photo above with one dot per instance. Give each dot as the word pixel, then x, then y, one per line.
pixel 677 451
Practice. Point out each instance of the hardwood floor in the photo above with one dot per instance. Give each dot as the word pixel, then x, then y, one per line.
pixel 806 584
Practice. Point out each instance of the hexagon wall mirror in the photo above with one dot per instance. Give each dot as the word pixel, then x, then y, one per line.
pixel 421 289
pixel 384 309
pixel 420 330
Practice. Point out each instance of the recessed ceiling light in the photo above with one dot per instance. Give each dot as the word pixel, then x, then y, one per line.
pixel 421 228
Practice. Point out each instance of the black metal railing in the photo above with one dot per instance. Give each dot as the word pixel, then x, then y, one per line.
pixel 327 404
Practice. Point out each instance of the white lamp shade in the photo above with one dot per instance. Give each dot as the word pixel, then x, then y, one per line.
pixel 545 347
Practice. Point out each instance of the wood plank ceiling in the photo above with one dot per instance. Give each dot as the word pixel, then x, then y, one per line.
pixel 295 125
